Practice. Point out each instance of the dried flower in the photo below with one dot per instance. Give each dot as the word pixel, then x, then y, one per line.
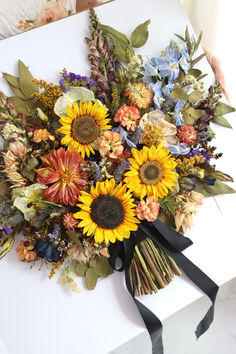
pixel 75 253
pixel 148 210
pixel 64 172
pixel 11 168
pixel 127 116
pixel 42 135
pixel 25 251
pixel 139 95
pixel 189 202
pixel 110 144
pixel 187 134
pixel 156 129
pixel 69 222
pixel 67 278
pixel 18 149
pixel 11 132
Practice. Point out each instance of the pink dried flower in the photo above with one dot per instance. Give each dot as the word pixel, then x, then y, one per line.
pixel 69 221
pixel 148 210
pixel 110 144
pixel 127 116
pixel 187 134
pixel 18 149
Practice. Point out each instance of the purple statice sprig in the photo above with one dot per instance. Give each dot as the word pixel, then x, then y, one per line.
pixel 71 79
pixel 5 229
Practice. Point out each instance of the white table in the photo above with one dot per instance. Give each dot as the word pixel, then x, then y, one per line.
pixel 38 315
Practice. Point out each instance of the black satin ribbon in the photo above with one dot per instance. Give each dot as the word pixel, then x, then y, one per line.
pixel 173 243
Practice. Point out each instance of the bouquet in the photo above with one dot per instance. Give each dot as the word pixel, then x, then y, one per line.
pixel 91 163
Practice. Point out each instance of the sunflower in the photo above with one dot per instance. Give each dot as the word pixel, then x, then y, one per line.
pixel 82 126
pixel 151 172
pixel 108 212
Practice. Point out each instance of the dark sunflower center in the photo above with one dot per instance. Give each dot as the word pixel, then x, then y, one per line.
pixel 150 172
pixel 85 130
pixel 107 211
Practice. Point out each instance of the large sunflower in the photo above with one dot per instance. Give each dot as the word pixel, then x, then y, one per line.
pixel 151 172
pixel 108 212
pixel 82 126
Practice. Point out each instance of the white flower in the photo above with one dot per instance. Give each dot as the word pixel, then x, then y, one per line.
pixel 67 278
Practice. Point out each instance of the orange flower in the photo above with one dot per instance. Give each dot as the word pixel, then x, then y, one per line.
pixel 110 144
pixel 127 116
pixel 64 171
pixel 25 252
pixel 148 210
pixel 42 135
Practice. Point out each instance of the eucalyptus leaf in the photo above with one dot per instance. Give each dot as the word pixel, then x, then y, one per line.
pixel 102 267
pixel 223 108
pixel 92 262
pixel 194 97
pixel 222 121
pixel 191 114
pixel 12 80
pixel 179 93
pixel 195 72
pixel 140 35
pixel 80 268
pixel 25 80
pixel 218 188
pixel 91 278
pixel 221 176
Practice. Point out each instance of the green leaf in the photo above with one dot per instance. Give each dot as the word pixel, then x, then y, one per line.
pixel 140 35
pixel 180 37
pixel 191 114
pixel 74 237
pixel 102 267
pixel 25 80
pixel 25 107
pixel 80 268
pixel 194 97
pixel 187 37
pixel 92 262
pixel 218 188
pixel 198 42
pixel 195 61
pixel 223 108
pixel 91 278
pixel 179 93
pixel 18 92
pixel 221 176
pixel 12 80
pixel 32 163
pixel 195 72
pixel 119 40
pixel 222 121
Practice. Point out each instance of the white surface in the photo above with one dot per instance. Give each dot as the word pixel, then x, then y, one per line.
pixel 38 313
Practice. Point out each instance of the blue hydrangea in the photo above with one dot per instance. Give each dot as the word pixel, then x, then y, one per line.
pixel 181 149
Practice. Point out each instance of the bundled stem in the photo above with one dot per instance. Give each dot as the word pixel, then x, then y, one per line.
pixel 151 268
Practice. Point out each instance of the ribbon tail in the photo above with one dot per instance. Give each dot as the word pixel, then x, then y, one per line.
pixel 153 324
pixel 204 283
